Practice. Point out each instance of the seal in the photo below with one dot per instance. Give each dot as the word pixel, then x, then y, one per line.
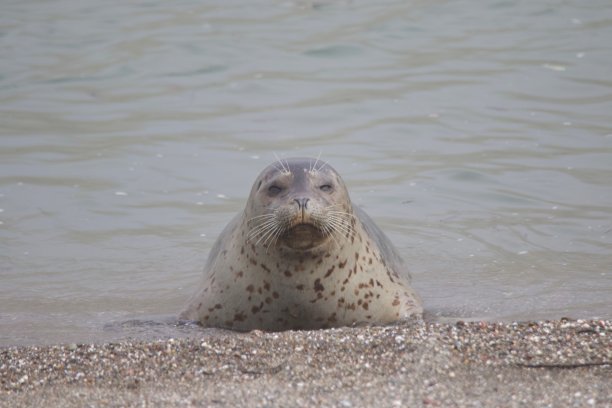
pixel 301 256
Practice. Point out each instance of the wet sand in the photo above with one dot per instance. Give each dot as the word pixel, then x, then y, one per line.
pixel 555 363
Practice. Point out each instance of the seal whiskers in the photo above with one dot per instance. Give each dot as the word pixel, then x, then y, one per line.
pixel 266 222
pixel 267 233
pixel 339 224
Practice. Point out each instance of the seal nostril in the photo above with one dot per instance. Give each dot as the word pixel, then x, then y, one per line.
pixel 302 203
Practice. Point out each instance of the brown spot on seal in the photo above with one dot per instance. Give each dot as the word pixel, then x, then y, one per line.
pixel 318 287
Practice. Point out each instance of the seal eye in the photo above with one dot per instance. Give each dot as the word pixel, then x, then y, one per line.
pixel 274 190
pixel 326 187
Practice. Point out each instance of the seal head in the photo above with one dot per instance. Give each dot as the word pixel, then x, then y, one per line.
pixel 298 206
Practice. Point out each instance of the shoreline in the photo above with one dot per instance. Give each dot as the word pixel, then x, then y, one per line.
pixel 559 363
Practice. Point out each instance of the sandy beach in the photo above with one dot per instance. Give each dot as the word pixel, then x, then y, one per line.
pixel 553 363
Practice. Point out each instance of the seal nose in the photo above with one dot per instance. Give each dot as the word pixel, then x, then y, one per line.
pixel 302 203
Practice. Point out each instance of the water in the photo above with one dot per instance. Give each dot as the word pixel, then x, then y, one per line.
pixel 478 135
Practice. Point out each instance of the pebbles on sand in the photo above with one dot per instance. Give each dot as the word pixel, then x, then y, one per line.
pixel 556 363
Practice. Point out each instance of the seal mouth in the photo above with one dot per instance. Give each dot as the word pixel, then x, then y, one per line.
pixel 303 235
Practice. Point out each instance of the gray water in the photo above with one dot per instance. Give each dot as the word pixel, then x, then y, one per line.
pixel 477 134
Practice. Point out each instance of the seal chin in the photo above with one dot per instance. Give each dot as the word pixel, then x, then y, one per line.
pixel 303 236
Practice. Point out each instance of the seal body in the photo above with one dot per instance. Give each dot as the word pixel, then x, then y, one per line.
pixel 300 256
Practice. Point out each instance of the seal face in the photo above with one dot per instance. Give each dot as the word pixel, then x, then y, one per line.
pixel 300 256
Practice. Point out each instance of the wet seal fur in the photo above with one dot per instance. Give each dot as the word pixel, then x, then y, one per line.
pixel 300 256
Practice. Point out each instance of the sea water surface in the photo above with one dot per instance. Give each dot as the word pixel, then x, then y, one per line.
pixel 477 134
